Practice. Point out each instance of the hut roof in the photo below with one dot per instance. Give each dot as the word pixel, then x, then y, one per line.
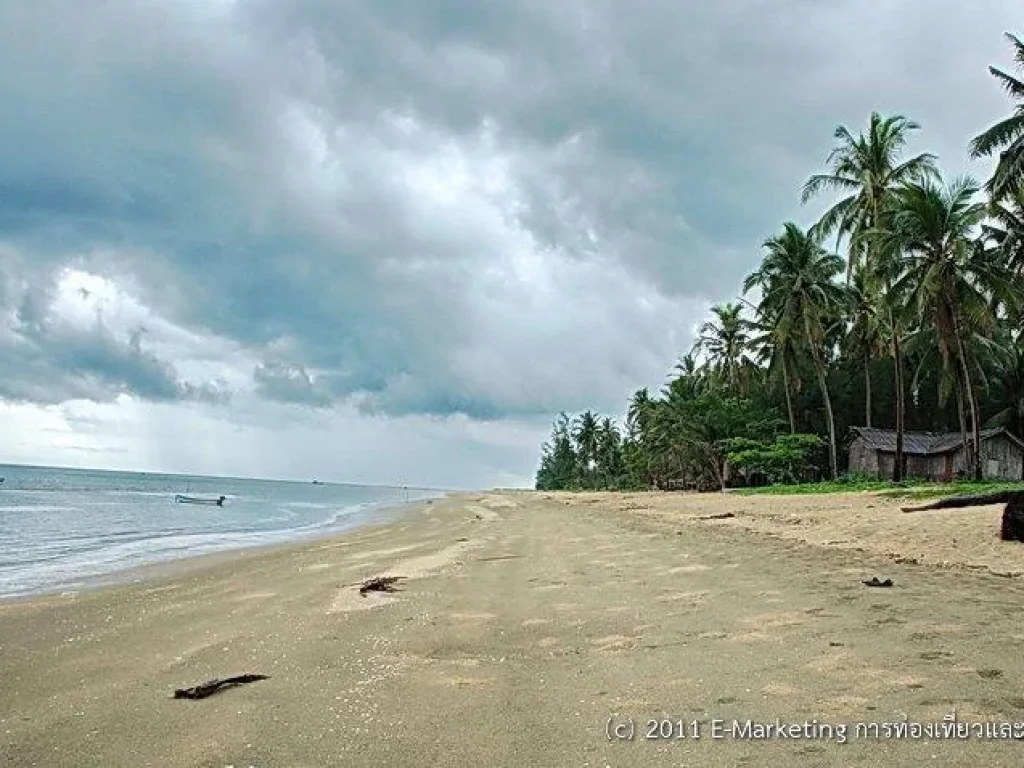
pixel 925 443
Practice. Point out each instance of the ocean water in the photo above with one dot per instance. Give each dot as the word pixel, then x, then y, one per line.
pixel 61 529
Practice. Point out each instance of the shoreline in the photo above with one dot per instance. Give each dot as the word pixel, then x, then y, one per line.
pixel 808 519
pixel 176 566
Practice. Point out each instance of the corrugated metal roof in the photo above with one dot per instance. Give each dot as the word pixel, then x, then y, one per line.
pixel 950 442
pixel 885 440
pixel 923 443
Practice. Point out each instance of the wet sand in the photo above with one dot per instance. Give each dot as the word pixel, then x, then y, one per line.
pixel 525 623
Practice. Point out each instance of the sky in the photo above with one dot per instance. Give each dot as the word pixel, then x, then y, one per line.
pixel 387 242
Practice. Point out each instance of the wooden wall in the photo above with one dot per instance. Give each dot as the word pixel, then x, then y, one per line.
pixel 1001 459
pixel 863 460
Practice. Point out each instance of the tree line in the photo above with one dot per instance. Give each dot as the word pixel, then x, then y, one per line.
pixel 900 308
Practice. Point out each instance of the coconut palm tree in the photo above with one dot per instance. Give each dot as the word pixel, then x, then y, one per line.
pixel 725 342
pixel 638 417
pixel 1008 391
pixel 665 456
pixel 585 433
pixel 609 453
pixel 1004 232
pixel 778 351
pixel 638 447
pixel 690 379
pixel 865 340
pixel 868 169
pixel 1006 136
pixel 798 290
pixel 923 346
pixel 947 281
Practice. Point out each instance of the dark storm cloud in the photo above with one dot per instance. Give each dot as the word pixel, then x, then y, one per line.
pixel 431 207
pixel 48 367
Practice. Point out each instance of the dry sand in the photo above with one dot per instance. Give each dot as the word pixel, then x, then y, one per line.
pixel 861 522
pixel 526 622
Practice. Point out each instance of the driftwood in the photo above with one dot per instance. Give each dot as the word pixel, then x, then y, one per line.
pixel 211 687
pixel 380 584
pixel 722 516
pixel 874 582
pixel 1012 528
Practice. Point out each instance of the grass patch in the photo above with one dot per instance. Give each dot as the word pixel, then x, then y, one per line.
pixel 832 486
pixel 909 489
pixel 937 490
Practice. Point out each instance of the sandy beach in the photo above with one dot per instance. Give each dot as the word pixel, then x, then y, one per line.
pixel 529 628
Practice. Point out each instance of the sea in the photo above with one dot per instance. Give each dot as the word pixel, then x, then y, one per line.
pixel 66 529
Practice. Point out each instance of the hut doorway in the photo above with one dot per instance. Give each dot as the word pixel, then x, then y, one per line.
pixel 947 468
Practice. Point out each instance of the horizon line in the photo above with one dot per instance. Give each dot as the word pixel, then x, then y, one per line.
pixel 229 477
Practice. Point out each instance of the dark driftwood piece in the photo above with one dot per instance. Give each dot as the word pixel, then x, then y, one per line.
pixel 211 687
pixel 722 516
pixel 874 582
pixel 1012 528
pixel 380 584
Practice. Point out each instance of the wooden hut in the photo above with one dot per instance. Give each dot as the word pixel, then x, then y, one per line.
pixel 936 456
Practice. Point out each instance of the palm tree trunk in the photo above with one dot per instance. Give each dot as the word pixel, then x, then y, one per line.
pixel 976 410
pixel 819 367
pixel 831 420
pixel 972 400
pixel 789 399
pixel 963 422
pixel 897 469
pixel 867 391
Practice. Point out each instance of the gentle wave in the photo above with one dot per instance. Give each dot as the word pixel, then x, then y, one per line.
pixel 37 508
pixel 65 566
pixel 58 528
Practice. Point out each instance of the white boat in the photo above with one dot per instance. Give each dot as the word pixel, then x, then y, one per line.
pixel 181 499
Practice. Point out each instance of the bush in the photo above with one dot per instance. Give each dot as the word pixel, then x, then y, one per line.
pixel 787 459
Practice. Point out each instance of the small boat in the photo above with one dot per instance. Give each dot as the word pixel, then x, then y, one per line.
pixel 199 500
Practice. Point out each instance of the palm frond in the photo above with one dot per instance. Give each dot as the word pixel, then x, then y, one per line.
pixel 826 183
pixel 1010 84
pixel 1002 133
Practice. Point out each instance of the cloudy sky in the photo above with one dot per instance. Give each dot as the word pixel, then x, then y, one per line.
pixel 387 241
